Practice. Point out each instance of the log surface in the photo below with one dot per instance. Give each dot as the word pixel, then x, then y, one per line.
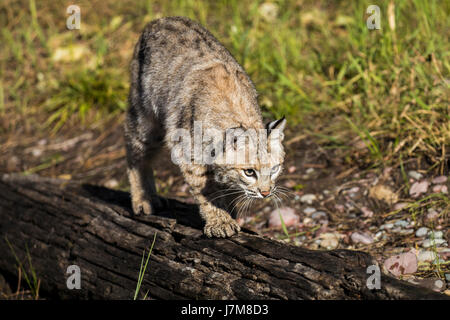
pixel 65 223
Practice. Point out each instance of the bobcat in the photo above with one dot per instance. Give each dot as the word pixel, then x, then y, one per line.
pixel 181 76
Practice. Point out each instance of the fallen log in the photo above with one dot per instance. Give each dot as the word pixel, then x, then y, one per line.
pixel 58 223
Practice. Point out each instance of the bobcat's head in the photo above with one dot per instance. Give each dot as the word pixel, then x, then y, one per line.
pixel 252 163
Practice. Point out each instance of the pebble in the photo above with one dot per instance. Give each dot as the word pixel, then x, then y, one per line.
pixel 288 214
pixel 378 235
pixel 439 284
pixel 440 188
pixel 387 226
pixel 319 215
pixel 436 234
pixel 367 213
pixel 401 223
pixel 400 205
pixel 422 232
pixel 432 214
pixel 308 198
pixel 361 238
pixel 440 179
pixel 426 256
pixel 418 188
pixel 405 231
pixel 427 243
pixel 309 210
pixel 439 261
pixel 112 183
pixel 353 190
pixel 403 263
pixel 329 240
pixel 309 170
pixel 415 175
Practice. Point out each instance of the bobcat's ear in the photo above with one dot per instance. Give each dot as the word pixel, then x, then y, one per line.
pixel 279 124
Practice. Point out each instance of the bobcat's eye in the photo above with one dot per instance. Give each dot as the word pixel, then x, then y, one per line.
pixel 250 172
pixel 275 169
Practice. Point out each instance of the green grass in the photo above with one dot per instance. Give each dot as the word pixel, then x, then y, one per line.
pixel 313 61
pixel 142 271
pixel 30 276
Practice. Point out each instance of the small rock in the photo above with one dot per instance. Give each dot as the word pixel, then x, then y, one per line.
pixel 432 214
pixel 112 183
pixel 426 256
pixel 309 210
pixel 400 205
pixel 438 261
pixel 378 235
pixel 361 238
pixel 440 188
pixel 290 184
pixel 387 226
pixel 422 232
pixel 439 284
pixel 367 213
pixel 427 243
pixel 401 223
pixel 292 169
pixel 439 180
pixel 288 215
pixel 404 263
pixel 307 221
pixel 36 152
pixel 308 198
pixel 435 234
pixel 384 193
pixel 353 190
pixel 418 188
pixel 329 240
pixel 415 175
pixel 326 192
pixel 319 215
pixel 405 231
pixel 309 170
pixel 444 253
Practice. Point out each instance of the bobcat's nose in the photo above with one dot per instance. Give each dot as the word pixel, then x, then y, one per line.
pixel 264 193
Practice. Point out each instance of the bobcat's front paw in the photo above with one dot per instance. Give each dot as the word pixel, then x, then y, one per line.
pixel 221 227
pixel 141 206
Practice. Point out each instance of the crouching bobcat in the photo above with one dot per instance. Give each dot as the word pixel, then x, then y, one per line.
pixel 183 78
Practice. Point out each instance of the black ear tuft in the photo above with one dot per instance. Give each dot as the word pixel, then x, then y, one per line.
pixel 276 124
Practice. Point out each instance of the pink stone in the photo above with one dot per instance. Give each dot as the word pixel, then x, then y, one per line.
pixel 440 179
pixel 418 188
pixel 361 238
pixel 404 263
pixel 289 216
pixel 440 188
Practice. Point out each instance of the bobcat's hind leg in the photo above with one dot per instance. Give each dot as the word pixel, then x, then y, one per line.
pixel 142 187
pixel 140 156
